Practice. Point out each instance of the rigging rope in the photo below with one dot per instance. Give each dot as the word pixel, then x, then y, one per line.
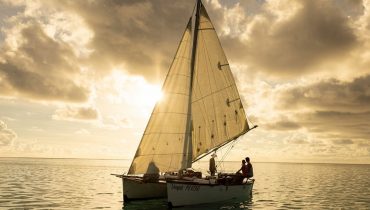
pixel 221 161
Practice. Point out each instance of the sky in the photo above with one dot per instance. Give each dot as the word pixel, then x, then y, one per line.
pixel 79 79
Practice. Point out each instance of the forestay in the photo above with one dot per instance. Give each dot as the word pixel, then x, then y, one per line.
pixel 217 112
pixel 165 145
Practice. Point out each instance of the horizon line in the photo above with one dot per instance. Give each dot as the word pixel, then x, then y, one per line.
pixel 82 158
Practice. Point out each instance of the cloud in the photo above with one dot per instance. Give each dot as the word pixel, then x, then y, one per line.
pixel 120 122
pixel 8 118
pixel 7 136
pixel 343 141
pixel 299 137
pixel 114 122
pixel 283 125
pixel 287 38
pixel 301 66
pixel 329 95
pixel 297 141
pixel 139 35
pixel 37 67
pixel 18 82
pixel 311 118
pixel 76 113
pixel 337 125
pixel 330 109
pixel 54 50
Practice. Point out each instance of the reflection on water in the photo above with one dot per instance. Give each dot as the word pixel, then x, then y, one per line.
pixel 162 204
pixel 59 184
pixel 87 184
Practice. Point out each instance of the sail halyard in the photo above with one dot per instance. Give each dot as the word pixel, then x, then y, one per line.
pixel 161 147
pixel 218 116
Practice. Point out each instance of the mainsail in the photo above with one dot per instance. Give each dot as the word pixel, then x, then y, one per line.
pixel 217 112
pixel 165 145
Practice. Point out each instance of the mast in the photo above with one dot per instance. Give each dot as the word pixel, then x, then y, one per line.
pixel 188 145
pixel 195 40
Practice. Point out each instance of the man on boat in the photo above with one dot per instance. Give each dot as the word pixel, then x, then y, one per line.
pixel 249 168
pixel 212 164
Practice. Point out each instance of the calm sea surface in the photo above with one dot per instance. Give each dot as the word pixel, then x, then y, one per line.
pixel 87 184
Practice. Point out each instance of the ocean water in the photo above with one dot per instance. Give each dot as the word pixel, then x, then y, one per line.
pixel 87 184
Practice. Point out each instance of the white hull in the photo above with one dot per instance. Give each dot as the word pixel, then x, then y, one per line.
pixel 135 189
pixel 183 194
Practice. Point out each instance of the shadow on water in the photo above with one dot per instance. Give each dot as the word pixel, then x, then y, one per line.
pixel 146 204
pixel 162 204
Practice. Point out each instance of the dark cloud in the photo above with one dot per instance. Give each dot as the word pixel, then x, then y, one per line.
pixel 282 125
pixel 7 136
pixel 316 33
pixel 39 87
pixel 335 107
pixel 331 110
pixel 76 113
pixel 140 35
pixel 41 69
pixel 351 8
pixel 343 141
pixel 6 11
pixel 297 141
pixel 343 124
pixel 330 95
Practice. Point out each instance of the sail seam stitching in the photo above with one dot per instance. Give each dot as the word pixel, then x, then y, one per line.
pixel 149 133
pixel 213 93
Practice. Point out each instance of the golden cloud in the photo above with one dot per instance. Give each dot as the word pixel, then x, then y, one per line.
pixel 76 113
pixel 7 136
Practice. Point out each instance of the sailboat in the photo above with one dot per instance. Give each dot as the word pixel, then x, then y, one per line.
pixel 200 112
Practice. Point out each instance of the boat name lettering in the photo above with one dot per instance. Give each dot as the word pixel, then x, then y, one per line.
pixel 177 187
pixel 192 188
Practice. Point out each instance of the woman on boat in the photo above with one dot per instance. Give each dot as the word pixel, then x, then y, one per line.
pixel 243 169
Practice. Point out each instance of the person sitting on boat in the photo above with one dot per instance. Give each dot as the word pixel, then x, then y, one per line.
pixel 249 168
pixel 243 169
pixel 212 165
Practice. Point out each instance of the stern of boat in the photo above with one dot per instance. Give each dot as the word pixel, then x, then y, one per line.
pixel 134 188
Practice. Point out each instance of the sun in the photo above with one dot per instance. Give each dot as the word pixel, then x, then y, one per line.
pixel 148 93
pixel 133 90
pixel 157 96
